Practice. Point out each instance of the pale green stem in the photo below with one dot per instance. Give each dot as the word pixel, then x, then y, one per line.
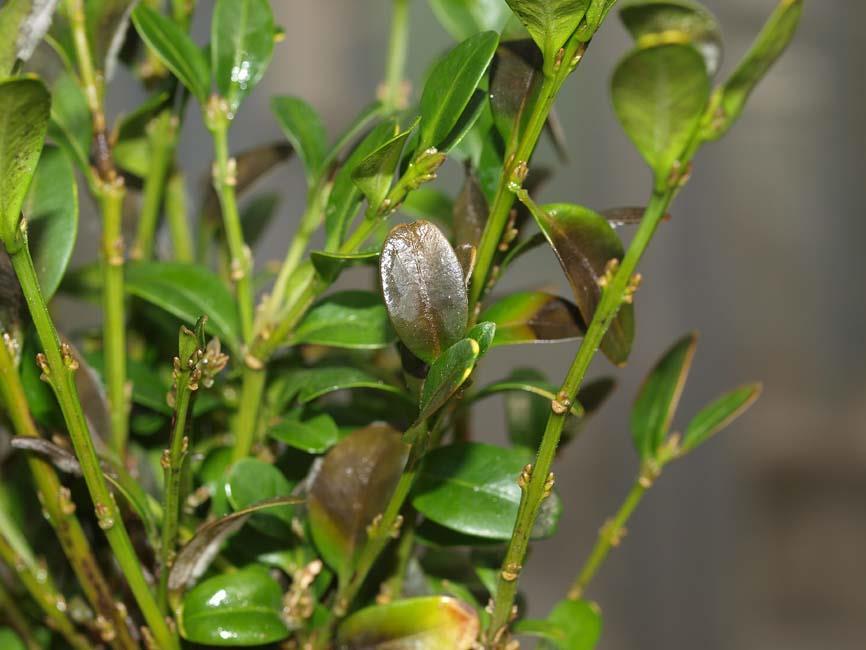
pixel 176 215
pixel 394 94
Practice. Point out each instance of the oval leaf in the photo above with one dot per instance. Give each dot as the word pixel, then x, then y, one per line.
pixel 653 22
pixel 187 291
pixel 348 319
pixel 447 374
pixel 354 484
pixel 431 623
pixel 550 22
pixel 242 42
pixel 52 217
pixel 314 435
pixel 175 49
pixel 659 95
pixel 716 416
pixel 304 129
pixel 470 213
pixel 424 289
pixel 251 480
pixel 374 174
pixel 24 110
pixel 234 610
pixel 572 625
pixel 483 480
pixel 450 86
pixel 534 317
pixel 659 396
pixel 515 77
pixel 584 243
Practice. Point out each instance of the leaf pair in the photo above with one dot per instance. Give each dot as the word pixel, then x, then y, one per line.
pixel 242 43
pixel 659 397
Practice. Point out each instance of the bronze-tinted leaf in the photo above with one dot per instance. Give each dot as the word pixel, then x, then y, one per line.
pixel 534 317
pixel 584 243
pixel 424 289
pixel 470 212
pixel 353 485
pixel 515 77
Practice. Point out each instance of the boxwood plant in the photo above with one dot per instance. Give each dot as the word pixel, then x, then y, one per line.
pixel 244 455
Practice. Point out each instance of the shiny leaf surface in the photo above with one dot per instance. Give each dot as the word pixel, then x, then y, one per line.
pixel 534 317
pixel 353 485
pixel 719 414
pixel 572 625
pixel 313 435
pixel 550 22
pixel 465 18
pixel 251 480
pixel 329 266
pixel 373 175
pixel 347 319
pixel 447 374
pixel 431 623
pixel 304 129
pixel 515 77
pixel 657 401
pixel 424 289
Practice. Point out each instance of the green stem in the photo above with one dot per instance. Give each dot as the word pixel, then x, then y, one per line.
pixel 58 366
pixel 41 587
pixel 59 509
pixel 608 537
pixel 16 619
pixel 113 304
pixel 162 137
pixel 394 94
pixel 252 390
pixel 516 158
pixel 175 212
pixel 537 489
pixel 217 121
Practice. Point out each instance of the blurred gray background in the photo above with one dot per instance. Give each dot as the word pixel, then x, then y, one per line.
pixel 757 541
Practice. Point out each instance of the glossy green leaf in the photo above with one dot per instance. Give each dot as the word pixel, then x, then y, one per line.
pixel 345 196
pixel 483 480
pixel 175 49
pixel 719 414
pixel 550 22
pixel 133 156
pixel 313 435
pixel 451 85
pixel 572 625
pixel 51 208
pixel 584 243
pixel 234 610
pixel 653 22
pixel 329 266
pixel 71 126
pixel 428 203
pixel 313 383
pixel 475 108
pixel 354 484
pixel 347 319
pixel 187 291
pixel 534 317
pixel 484 333
pixel 657 401
pixel 447 374
pixel 251 480
pixel 767 48
pixel 470 212
pixel 24 110
pixel 465 18
pixel 515 77
pixel 305 130
pixel 424 289
pixel 242 42
pixel 659 96
pixel 373 175
pixel 431 623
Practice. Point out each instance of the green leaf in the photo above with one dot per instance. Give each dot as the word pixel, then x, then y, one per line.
pixel 313 383
pixel 767 48
pixel 534 317
pixel 71 126
pixel 550 22
pixel 431 623
pixel 347 319
pixel 187 291
pixel 572 625
pixel 447 374
pixel 329 266
pixel 175 49
pixel 24 110
pixel 584 242
pixel 659 396
pixel 515 78
pixel 424 289
pixel 354 484
pixel 9 640
pixel 23 24
pixel 465 18
pixel 374 174
pixel 659 96
pixel 484 333
pixel 345 196
pixel 653 22
pixel 719 414
pixel 314 435
pixel 242 42
pixel 234 610
pixel 305 130
pixel 51 208
pixel 450 86
pixel 250 481
pixel 482 479
pixel 427 202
